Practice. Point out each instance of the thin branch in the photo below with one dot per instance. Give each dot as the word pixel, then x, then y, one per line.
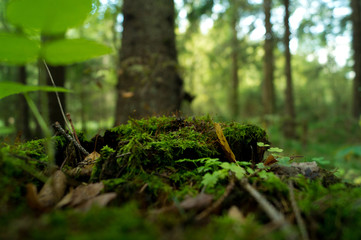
pixel 276 216
pixel 296 210
pixel 70 138
pixel 57 97
pixel 270 210
pixel 217 203
pixel 72 127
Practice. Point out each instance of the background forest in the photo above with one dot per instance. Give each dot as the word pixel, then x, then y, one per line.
pixel 293 67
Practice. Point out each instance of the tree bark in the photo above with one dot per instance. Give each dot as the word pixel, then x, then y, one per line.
pixel 356 44
pixel 234 104
pixel 23 117
pixel 148 81
pixel 268 67
pixel 289 127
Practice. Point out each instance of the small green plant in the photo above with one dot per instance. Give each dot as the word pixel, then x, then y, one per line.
pixel 261 144
pixel 215 170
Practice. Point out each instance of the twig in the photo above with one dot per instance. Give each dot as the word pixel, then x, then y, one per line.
pixel 269 209
pixel 217 203
pixel 296 210
pixel 57 95
pixel 122 155
pixel 72 127
pixel 70 138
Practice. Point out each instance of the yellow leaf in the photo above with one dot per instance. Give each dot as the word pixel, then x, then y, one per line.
pixel 224 144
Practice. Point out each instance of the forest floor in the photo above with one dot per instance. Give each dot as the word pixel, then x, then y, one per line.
pixel 181 178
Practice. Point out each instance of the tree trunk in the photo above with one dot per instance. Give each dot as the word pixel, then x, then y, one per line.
pixel 268 85
pixel 289 127
pixel 148 81
pixel 356 44
pixel 23 121
pixel 234 104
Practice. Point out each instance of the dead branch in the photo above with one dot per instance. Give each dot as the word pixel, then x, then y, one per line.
pixel 70 138
pixel 296 210
pixel 217 203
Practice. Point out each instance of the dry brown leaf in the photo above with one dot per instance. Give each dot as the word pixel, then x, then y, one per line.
pixel 66 200
pixel 53 190
pixel 100 201
pixel 32 197
pixel 85 192
pixel 270 160
pixel 224 144
pixel 91 158
pixel 200 201
pixel 85 167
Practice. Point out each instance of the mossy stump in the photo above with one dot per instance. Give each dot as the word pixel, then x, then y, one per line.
pixel 156 143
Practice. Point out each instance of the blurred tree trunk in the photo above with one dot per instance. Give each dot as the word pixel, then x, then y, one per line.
pixel 23 121
pixel 289 127
pixel 234 104
pixel 356 44
pixel 268 85
pixel 148 81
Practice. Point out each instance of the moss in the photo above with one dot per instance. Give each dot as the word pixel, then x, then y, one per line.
pixel 105 153
pixel 148 144
pixel 125 222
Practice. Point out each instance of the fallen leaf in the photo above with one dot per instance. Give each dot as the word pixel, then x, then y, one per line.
pixel 90 159
pixel 51 193
pixel 85 167
pixel 66 200
pixel 85 192
pixel 200 201
pixel 53 190
pixel 270 160
pixel 32 197
pixel 100 201
pixel 224 144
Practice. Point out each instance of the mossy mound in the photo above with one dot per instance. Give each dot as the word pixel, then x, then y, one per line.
pixel 155 144
pixel 173 180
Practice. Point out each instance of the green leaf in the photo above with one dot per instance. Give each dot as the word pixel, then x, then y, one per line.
pixel 275 149
pixel 238 171
pixel 70 51
pixel 11 88
pixel 284 161
pixel 16 49
pixel 261 166
pixel 243 163
pixel 261 144
pixel 209 180
pixel 321 160
pixel 263 174
pixel 49 16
